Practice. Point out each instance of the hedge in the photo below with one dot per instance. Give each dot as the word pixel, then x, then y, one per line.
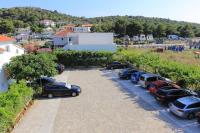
pixel 83 58
pixel 12 102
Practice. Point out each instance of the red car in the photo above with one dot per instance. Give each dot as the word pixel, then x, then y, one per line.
pixel 156 85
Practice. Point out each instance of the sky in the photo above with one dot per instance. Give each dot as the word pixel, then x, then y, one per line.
pixel 181 10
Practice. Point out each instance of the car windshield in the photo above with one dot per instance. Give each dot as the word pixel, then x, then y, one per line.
pixel 150 79
pixel 69 86
pixel 52 80
pixel 179 104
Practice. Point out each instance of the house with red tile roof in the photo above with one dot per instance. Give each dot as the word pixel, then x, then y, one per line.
pixel 8 49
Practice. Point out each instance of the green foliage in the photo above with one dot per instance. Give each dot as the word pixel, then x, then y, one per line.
pixel 6 26
pixel 30 66
pixel 12 102
pixel 134 25
pixel 189 75
pixel 83 58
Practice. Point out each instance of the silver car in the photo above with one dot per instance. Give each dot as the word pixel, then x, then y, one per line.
pixel 186 107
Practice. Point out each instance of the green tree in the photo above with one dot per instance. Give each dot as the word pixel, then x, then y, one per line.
pixel 148 28
pixel 160 30
pixel 120 27
pixel 187 31
pixel 6 26
pixel 170 29
pixel 30 66
pixel 134 28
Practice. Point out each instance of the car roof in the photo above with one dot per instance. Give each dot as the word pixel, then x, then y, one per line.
pixel 189 100
pixel 59 83
pixel 150 75
pixel 170 90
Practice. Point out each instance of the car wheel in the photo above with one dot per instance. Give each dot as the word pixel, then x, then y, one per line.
pixel 74 94
pixel 50 95
pixel 191 116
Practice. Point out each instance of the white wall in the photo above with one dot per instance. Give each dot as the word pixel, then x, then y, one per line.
pixel 94 38
pixel 4 59
pixel 81 29
pixel 60 41
pixel 94 47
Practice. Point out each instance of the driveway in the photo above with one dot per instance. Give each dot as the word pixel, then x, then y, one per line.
pixel 106 105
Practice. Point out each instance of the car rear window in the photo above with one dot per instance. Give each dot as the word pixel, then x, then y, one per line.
pixel 179 104
pixel 150 79
pixel 160 92
pixel 142 78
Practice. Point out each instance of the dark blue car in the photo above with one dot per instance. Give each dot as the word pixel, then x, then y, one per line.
pixel 136 76
pixel 126 73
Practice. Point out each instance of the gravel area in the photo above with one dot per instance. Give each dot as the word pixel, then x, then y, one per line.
pixel 102 107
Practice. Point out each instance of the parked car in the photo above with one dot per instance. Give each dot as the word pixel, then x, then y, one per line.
pixel 146 79
pixel 156 85
pixel 198 117
pixel 60 89
pixel 60 68
pixel 136 76
pixel 126 73
pixel 117 65
pixel 45 80
pixel 170 95
pixel 186 107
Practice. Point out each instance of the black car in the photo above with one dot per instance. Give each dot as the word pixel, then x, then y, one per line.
pixel 116 65
pixel 170 95
pixel 45 80
pixel 61 89
pixel 126 73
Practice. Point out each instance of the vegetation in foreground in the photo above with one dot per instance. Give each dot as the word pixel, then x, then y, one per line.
pixel 12 103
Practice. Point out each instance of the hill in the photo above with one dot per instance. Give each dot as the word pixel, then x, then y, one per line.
pixel 19 17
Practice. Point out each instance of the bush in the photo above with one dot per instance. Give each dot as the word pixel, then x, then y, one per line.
pixel 12 102
pixel 83 58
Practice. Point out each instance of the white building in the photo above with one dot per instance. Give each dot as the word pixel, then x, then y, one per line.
pixel 85 41
pixel 81 29
pixel 48 23
pixel 7 50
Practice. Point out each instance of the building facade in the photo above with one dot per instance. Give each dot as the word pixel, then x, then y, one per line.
pixel 7 50
pixel 85 41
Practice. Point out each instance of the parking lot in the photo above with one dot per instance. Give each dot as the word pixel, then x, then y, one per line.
pixel 106 105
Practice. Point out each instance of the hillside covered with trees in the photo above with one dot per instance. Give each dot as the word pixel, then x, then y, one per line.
pixel 20 17
pixel 131 25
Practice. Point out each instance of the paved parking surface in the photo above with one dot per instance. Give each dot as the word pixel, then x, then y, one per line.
pixel 106 105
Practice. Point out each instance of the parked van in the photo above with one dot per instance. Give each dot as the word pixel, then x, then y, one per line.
pixel 146 79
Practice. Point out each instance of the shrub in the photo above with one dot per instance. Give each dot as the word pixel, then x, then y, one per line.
pixel 12 102
pixel 83 58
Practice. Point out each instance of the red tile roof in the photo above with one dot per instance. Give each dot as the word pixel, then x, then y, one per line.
pixel 70 25
pixel 64 32
pixel 87 25
pixel 6 39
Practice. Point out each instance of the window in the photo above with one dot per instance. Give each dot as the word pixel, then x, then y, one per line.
pixel 152 79
pixel 142 78
pixel 195 105
pixel 179 104
pixel 8 48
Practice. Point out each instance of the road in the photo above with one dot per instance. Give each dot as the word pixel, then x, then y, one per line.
pixel 106 105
